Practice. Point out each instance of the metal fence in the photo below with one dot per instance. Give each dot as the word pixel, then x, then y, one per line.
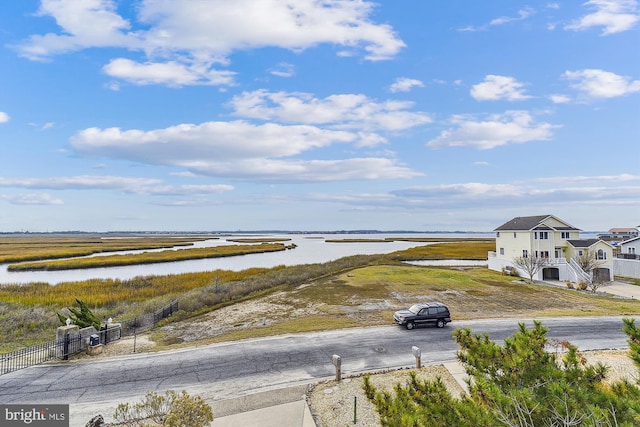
pixel 77 341
pixel 40 353
pixel 145 322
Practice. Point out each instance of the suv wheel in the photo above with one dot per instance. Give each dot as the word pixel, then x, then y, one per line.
pixel 440 323
pixel 409 325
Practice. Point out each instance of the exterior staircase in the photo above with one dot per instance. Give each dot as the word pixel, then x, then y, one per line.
pixel 576 273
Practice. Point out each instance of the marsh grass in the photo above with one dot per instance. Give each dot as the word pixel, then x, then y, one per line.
pixel 27 312
pixel 25 247
pixel 464 249
pixel 148 257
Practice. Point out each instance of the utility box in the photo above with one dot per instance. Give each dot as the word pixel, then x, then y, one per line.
pixel 94 339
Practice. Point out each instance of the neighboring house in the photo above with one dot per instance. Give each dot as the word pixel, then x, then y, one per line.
pixel 630 249
pixel 545 236
pixel 617 235
pixel 627 262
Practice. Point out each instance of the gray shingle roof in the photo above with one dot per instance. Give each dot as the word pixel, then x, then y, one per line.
pixel 526 223
pixel 583 243
pixel 522 223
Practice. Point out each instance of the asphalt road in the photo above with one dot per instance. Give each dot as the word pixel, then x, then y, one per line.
pixel 227 370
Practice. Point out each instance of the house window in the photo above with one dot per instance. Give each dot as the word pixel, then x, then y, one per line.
pixel 525 253
pixel 498 234
pixel 542 254
pixel 601 255
pixel 632 250
pixel 541 235
pixel 580 252
pixel 501 251
pixel 514 235
pixel 566 235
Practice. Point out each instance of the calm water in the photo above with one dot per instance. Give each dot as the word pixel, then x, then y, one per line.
pixel 311 249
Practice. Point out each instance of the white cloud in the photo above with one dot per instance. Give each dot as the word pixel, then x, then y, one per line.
pixel 181 190
pixel 596 179
pixel 559 99
pixel 139 186
pixel 522 15
pixel 404 84
pixel 4 117
pixel 239 150
pixel 301 171
pixel 78 182
pixel 602 84
pixel 344 111
pixel 32 199
pixel 170 73
pixel 498 87
pixel 449 196
pixel 283 69
pixel 512 127
pixel 613 15
pixel 181 40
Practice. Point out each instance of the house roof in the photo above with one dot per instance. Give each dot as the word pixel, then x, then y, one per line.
pixel 585 243
pixel 527 223
pixel 623 230
pixel 630 240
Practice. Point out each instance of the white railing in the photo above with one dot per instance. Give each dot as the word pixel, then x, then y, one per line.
pixel 577 273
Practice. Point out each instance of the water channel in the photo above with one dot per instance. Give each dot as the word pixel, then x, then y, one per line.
pixel 310 249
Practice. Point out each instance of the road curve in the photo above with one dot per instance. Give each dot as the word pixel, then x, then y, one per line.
pixel 226 370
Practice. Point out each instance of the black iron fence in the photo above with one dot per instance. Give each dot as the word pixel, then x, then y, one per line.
pixel 77 341
pixel 40 353
pixel 628 256
pixel 147 321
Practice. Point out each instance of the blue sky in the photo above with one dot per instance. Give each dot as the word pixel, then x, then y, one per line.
pixel 317 115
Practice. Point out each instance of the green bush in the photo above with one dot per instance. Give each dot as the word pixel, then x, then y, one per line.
pixel 518 383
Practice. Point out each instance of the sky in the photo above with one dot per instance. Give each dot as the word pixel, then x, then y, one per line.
pixel 301 115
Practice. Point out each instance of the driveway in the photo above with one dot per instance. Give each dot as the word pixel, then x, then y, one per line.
pixel 616 288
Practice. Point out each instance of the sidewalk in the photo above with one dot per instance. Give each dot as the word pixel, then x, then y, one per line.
pixel 619 289
pixel 278 408
pixel 294 414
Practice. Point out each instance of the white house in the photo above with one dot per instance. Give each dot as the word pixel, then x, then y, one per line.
pixel 627 263
pixel 545 236
pixel 630 248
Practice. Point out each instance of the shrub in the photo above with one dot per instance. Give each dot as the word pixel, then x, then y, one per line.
pixel 570 285
pixel 172 409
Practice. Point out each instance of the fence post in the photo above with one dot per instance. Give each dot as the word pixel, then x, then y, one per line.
pixel 62 337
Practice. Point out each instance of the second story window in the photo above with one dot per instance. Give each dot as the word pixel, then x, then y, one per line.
pixel 601 255
pixel 566 235
pixel 541 235
pixel 525 253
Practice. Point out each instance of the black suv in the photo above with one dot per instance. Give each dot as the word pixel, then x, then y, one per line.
pixel 423 313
